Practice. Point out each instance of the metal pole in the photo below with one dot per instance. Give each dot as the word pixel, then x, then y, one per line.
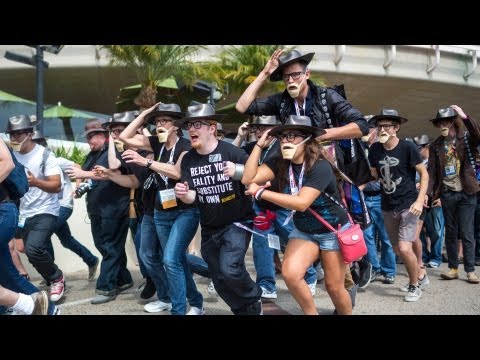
pixel 39 76
pixel 212 91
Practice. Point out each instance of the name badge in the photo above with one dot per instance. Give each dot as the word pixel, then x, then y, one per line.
pixel 273 241
pixel 167 198
pixel 450 170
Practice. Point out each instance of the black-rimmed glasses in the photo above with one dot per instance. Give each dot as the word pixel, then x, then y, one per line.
pixel 385 126
pixel 290 136
pixel 195 124
pixel 294 75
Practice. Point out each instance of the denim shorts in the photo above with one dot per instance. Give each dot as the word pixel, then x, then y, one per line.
pixel 325 241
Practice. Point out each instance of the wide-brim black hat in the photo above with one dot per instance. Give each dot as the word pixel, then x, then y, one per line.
pixel 445 113
pixel 19 122
pixel 294 122
pixel 391 114
pixel 171 110
pixel 287 59
pixel 267 120
pixel 200 111
pixel 123 118
pixel 421 140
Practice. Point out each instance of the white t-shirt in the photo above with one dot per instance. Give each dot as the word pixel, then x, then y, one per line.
pixel 67 198
pixel 37 201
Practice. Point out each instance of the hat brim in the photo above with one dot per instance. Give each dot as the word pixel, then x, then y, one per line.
pixel 277 74
pixel 94 130
pixel 106 125
pixel 308 129
pixel 443 118
pixel 217 117
pixel 149 118
pixel 398 119
pixel 15 130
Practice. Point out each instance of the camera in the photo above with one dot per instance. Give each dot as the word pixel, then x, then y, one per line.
pixel 83 188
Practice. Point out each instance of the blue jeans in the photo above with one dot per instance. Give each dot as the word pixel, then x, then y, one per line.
pixel 62 230
pixel 176 229
pixel 197 265
pixel 109 236
pixel 151 253
pixel 10 278
pixel 135 226
pixel 387 264
pixel 224 251
pixel 435 228
pixel 263 254
pixel 477 228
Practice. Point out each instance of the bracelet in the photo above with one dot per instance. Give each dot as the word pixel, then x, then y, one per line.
pixel 237 175
pixel 256 144
pixel 258 193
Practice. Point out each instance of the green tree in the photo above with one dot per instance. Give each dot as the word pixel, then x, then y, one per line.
pixel 156 63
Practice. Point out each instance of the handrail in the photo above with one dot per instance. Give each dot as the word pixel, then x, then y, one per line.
pixel 437 60
pixel 339 54
pixel 474 64
pixel 390 58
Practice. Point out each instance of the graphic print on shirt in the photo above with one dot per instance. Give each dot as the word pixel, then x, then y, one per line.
pixel 389 184
pixel 212 186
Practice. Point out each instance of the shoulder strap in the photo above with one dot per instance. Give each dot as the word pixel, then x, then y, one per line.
pixel 45 155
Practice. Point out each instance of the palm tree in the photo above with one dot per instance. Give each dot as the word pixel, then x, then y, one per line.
pixel 155 63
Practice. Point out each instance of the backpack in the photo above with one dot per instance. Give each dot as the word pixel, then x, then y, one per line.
pixel 17 181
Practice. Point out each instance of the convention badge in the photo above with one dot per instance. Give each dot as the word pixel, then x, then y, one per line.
pixel 21 221
pixel 273 242
pixel 215 158
pixel 450 170
pixel 167 198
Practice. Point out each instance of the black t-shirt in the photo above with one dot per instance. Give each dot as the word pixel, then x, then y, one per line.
pixel 106 199
pixel 221 200
pixel 181 146
pixel 396 171
pixel 144 206
pixel 319 177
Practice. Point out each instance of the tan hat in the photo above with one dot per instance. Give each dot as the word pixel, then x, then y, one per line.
pixel 94 125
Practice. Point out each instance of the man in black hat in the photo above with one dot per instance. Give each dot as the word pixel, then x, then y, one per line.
pixel 225 210
pixel 395 162
pixel 327 108
pixel 453 181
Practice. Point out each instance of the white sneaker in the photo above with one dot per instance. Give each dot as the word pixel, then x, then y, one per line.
pixel 313 287
pixel 211 289
pixel 422 284
pixel 268 294
pixel 196 311
pixel 414 293
pixel 157 306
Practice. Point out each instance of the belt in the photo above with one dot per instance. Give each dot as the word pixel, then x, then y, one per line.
pixel 372 193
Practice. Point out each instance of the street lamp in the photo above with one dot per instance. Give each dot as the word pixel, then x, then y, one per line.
pixel 40 64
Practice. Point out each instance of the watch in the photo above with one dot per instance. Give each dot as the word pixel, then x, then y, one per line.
pixel 149 163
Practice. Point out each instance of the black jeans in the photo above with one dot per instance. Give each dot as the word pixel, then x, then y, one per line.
pixel 37 232
pixel 224 251
pixel 458 208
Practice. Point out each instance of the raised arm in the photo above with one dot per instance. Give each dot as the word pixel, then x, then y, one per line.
pixel 130 136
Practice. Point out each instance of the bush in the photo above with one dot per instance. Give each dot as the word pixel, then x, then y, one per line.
pixel 75 153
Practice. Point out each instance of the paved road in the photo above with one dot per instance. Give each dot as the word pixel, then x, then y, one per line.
pixel 455 297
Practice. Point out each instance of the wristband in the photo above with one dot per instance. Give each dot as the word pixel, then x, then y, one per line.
pixel 258 193
pixel 238 173
pixel 259 146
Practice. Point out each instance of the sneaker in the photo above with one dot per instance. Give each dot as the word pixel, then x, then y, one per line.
pixel 124 287
pixel 366 276
pixel 375 275
pixel 388 279
pixel 102 299
pixel 414 293
pixel 40 301
pixel 313 287
pixel 266 294
pixel 196 311
pixel 211 289
pixel 450 275
pixel 433 264
pixel 320 272
pixel 92 270
pixel 157 306
pixel 57 289
pixel 422 284
pixel 148 290
pixel 472 278
pixel 53 309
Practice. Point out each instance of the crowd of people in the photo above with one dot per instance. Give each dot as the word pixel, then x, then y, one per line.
pixel 264 187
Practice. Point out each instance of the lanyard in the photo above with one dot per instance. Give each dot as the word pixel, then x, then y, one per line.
pixel 248 229
pixel 170 160
pixel 260 162
pixel 297 109
pixel 293 188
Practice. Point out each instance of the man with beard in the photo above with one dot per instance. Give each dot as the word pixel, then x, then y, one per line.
pixel 225 210
pixel 395 162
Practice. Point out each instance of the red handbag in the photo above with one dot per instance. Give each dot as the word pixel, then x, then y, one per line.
pixel 351 241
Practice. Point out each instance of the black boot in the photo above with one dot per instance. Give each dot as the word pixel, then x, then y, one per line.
pixel 149 289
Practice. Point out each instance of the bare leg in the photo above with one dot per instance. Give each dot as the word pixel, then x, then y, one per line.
pixel 16 258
